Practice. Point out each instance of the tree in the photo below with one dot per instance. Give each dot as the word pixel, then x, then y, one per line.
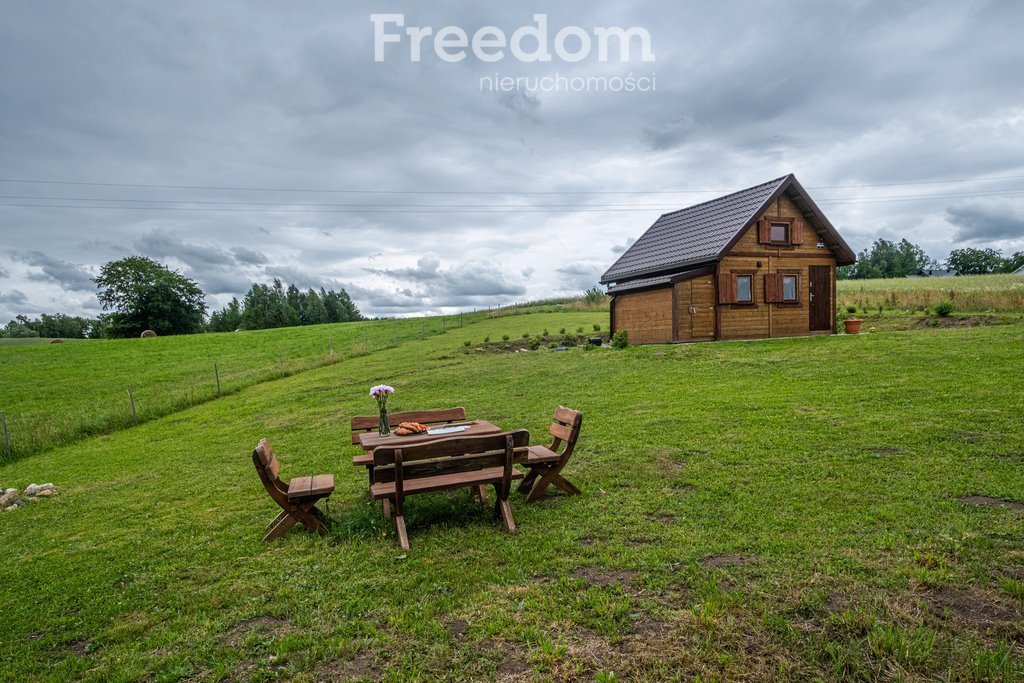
pixel 146 295
pixel 228 319
pixel 886 259
pixel 976 261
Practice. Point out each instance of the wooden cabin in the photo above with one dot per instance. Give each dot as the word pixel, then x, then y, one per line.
pixel 757 263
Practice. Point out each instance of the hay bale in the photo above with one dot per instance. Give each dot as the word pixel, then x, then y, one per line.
pixel 148 333
pixel 56 341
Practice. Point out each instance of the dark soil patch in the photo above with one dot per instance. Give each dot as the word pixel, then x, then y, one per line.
pixel 363 665
pixel 513 664
pixel 1009 572
pixel 456 627
pixel 596 576
pixel 970 437
pixel 726 560
pixel 587 540
pixel 838 602
pixel 669 461
pixel 267 626
pixel 886 451
pixel 36 635
pixel 664 518
pixel 993 502
pixel 683 488
pixel 80 648
pixel 974 609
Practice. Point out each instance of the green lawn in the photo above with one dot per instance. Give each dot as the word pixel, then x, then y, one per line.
pixel 769 510
pixel 56 394
pixel 968 293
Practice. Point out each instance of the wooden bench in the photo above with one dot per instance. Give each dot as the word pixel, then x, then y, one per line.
pixel 545 463
pixel 455 462
pixel 368 423
pixel 297 498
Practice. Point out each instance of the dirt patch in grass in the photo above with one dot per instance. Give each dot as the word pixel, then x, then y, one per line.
pixel 512 659
pixel 886 451
pixel 726 560
pixel 993 502
pixel 664 517
pixel 80 648
pixel 266 626
pixel 587 540
pixel 363 665
pixel 971 608
pixel 597 576
pixel 456 627
pixel 1009 572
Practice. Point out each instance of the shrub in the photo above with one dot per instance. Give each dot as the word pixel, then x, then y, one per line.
pixel 944 308
pixel 504 337
pixel 851 309
pixel 545 332
pixel 487 339
pixel 552 345
pixel 593 296
pixel 467 343
pixel 620 339
pixel 561 331
pixel 534 343
pixel 579 330
pixel 597 328
pixel 526 335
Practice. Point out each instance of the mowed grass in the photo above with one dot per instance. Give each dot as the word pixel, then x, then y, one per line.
pixel 769 510
pixel 54 394
pixel 968 293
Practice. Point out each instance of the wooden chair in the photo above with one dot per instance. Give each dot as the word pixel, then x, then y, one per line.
pixel 297 499
pixel 461 461
pixel 544 463
pixel 368 423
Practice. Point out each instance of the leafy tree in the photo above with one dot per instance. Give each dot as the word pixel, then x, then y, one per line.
pixel 145 295
pixel 982 261
pixel 887 259
pixel 228 318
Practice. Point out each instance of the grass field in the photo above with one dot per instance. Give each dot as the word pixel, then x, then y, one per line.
pixel 770 510
pixel 968 294
pixel 54 394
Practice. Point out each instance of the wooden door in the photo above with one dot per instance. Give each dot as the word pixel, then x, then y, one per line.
pixel 695 309
pixel 820 283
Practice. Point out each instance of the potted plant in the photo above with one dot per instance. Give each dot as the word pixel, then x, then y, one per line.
pixel 852 325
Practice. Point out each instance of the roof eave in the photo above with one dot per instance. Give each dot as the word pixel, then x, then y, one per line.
pixel 647 272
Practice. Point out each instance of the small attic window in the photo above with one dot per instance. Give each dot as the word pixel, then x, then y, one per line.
pixel 780 233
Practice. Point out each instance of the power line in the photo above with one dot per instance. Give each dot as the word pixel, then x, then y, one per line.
pixel 478 192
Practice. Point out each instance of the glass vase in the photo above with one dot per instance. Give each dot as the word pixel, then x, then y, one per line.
pixel 383 428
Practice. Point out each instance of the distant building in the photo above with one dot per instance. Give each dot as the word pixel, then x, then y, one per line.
pixel 935 273
pixel 1019 271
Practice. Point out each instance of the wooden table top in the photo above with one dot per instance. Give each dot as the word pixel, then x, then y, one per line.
pixel 372 440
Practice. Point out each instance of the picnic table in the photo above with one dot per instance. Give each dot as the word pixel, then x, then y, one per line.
pixel 372 440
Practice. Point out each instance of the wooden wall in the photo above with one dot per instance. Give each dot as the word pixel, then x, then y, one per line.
pixel 647 316
pixel 774 320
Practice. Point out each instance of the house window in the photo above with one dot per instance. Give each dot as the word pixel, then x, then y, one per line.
pixel 789 288
pixel 744 289
pixel 780 233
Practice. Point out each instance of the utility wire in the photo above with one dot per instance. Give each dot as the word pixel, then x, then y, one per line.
pixel 479 192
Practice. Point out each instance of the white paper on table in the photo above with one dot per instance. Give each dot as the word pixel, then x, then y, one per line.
pixel 447 430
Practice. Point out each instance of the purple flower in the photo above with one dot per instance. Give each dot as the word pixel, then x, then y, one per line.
pixel 381 390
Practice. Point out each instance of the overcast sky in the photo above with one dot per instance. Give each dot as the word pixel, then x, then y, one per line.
pixel 466 197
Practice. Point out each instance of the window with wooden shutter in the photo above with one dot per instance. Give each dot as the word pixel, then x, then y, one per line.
pixel 764 235
pixel 773 288
pixel 744 289
pixel 796 232
pixel 726 288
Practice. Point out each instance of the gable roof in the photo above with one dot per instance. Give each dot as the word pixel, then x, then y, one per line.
pixel 706 231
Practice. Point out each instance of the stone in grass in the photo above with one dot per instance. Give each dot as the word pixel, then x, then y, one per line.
pixel 10 498
pixel 35 489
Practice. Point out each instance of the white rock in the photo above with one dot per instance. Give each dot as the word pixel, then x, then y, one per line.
pixel 11 508
pixel 34 489
pixel 45 493
pixel 9 490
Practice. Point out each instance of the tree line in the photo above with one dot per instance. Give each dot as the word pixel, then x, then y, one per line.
pixel 140 294
pixel 889 259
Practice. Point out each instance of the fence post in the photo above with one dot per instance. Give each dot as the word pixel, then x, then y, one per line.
pixel 131 402
pixel 8 451
pixel 216 373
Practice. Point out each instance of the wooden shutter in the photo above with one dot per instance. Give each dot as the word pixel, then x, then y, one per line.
pixel 764 231
pixel 726 288
pixel 773 288
pixel 796 232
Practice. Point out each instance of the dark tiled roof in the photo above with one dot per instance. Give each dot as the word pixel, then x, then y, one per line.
pixel 694 234
pixel 641 283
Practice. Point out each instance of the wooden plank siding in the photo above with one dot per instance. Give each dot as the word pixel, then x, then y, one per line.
pixel 647 316
pixel 695 309
pixel 761 319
